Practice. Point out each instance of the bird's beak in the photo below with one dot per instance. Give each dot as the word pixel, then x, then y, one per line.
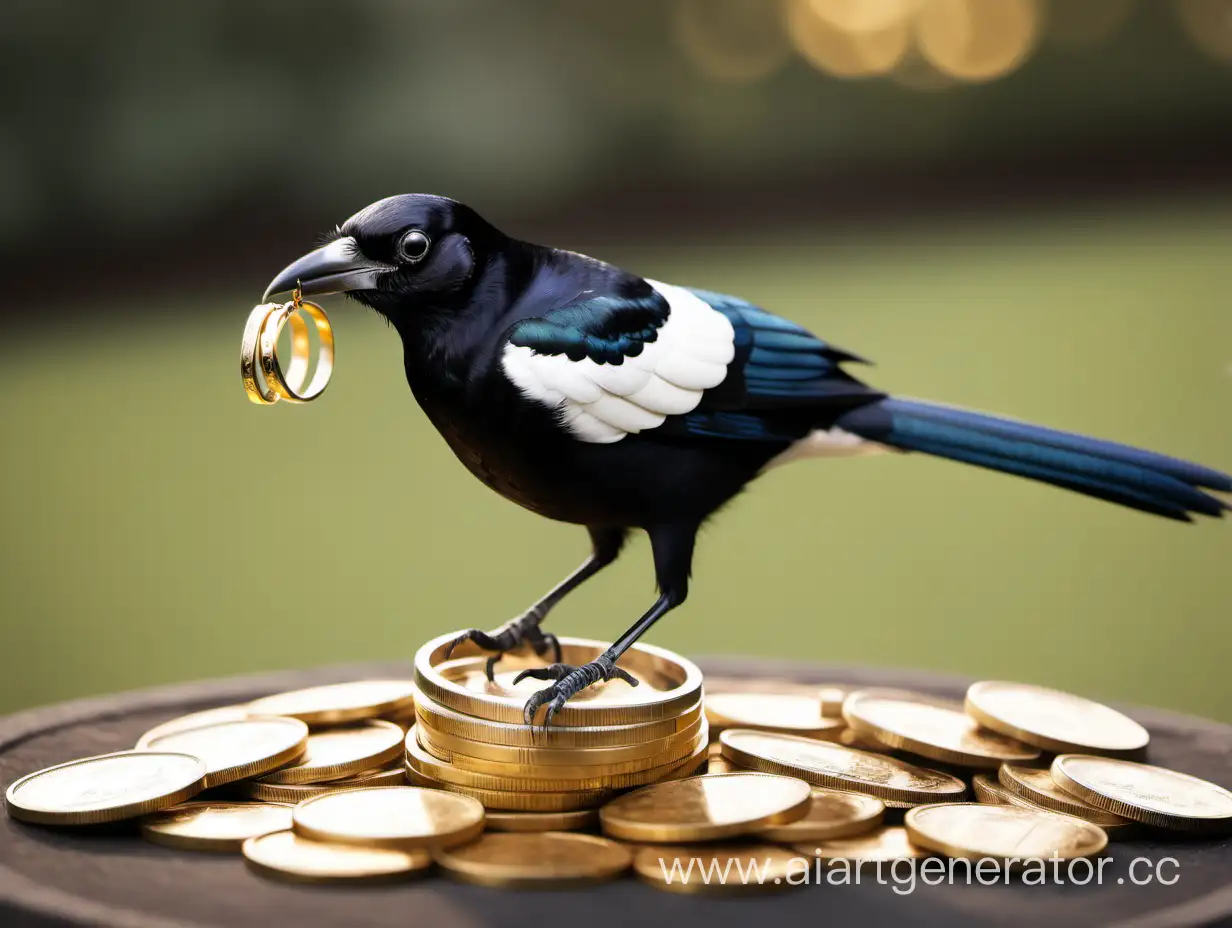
pixel 333 268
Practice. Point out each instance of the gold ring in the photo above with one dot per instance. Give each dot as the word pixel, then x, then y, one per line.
pixel 290 386
pixel 249 345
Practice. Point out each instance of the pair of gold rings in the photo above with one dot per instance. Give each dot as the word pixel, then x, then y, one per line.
pixel 259 352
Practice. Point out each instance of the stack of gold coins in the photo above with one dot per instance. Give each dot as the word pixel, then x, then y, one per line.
pixel 470 737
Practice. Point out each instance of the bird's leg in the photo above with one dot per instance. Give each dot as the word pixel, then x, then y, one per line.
pixel 606 544
pixel 672 546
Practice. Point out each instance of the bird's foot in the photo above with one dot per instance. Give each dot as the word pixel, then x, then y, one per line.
pixel 511 635
pixel 569 682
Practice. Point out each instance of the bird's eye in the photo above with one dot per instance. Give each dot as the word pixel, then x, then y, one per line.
pixel 414 246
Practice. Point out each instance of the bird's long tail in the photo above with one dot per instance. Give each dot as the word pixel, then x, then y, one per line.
pixel 1120 474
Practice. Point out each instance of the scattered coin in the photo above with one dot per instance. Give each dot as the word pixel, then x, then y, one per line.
pixel 881 845
pixel 214 826
pixel 836 767
pixel 1054 720
pixel 709 868
pixel 106 788
pixel 398 817
pixel 337 703
pixel 668 684
pixel 706 808
pixel 720 764
pixel 832 698
pixel 1037 786
pixel 342 752
pixel 931 728
pixel 1002 832
pixel 285 855
pixel 1147 794
pixel 539 860
pixel 295 793
pixel 194 720
pixel 541 821
pixel 833 814
pixel 793 713
pixel 238 750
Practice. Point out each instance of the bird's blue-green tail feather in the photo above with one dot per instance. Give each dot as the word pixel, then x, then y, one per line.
pixel 1118 473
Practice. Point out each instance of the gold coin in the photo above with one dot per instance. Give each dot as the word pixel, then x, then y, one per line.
pixel 718 765
pixel 194 720
pixel 669 685
pixel 399 817
pixel 1011 833
pixel 440 743
pixel 693 765
pixel 1038 787
pixel 285 855
pixel 214 826
pixel 728 868
pixel 706 808
pixel 931 728
pixel 1054 720
pixel 336 703
pixel 518 802
pixel 296 793
pixel 791 713
pixel 106 788
pixel 988 790
pixel 442 719
pixel 833 814
pixel 516 777
pixel 342 752
pixel 541 821
pixel 540 860
pixel 1151 795
pixel 238 750
pixel 881 845
pixel 832 765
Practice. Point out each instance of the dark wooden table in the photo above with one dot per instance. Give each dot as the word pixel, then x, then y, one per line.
pixel 110 877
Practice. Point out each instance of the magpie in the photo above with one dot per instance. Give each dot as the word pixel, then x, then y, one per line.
pixel 596 397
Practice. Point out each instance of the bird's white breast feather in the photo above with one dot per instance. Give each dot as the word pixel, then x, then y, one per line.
pixel 602 403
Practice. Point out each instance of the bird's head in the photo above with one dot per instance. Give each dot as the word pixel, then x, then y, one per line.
pixel 397 255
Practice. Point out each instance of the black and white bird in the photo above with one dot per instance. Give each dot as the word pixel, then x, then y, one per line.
pixel 597 397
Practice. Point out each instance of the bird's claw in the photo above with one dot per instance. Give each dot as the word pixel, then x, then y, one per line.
pixel 525 628
pixel 569 681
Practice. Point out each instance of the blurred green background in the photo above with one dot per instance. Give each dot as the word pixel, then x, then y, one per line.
pixel 1018 214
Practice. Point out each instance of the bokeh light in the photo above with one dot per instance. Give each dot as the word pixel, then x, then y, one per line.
pixel 977 40
pixel 844 53
pixel 737 41
pixel 1209 24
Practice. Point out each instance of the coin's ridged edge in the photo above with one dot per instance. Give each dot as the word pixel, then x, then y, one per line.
pixel 298 776
pixel 1043 742
pixel 832 781
pixel 847 828
pixel 991 792
pixel 504 733
pixel 1135 813
pixel 687 693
